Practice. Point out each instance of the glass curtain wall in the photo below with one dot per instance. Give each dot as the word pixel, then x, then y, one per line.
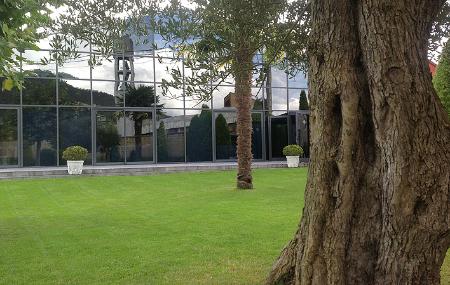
pixel 118 110
pixel 9 139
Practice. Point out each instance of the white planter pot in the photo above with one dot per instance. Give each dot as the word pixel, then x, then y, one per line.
pixel 293 161
pixel 75 167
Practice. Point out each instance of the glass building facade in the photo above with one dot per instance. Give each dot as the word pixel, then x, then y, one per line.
pixel 117 110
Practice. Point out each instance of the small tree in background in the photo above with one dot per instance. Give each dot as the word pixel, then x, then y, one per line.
pixel 223 138
pixel 161 134
pixel 199 141
pixel 303 104
pixel 441 80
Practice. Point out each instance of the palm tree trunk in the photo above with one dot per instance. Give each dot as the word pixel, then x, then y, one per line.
pixel 242 68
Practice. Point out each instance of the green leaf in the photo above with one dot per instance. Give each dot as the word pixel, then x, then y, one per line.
pixel 7 84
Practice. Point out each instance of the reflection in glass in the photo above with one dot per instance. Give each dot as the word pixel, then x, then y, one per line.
pixel 36 63
pixel 140 95
pixel 143 69
pixel 278 77
pixel 75 67
pixel 103 68
pixel 226 136
pixel 197 96
pixel 257 138
pixel 165 67
pixel 199 135
pixel 279 135
pixel 257 96
pixel 105 93
pixel 109 136
pixel 300 80
pixel 9 97
pixel 170 135
pixel 75 129
pixel 303 133
pixel 8 137
pixel 74 92
pixel 139 136
pixel 224 97
pixel 172 98
pixel 298 99
pixel 278 97
pixel 39 91
pixel 39 136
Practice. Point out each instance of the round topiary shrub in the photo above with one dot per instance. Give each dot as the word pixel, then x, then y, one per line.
pixel 292 150
pixel 75 153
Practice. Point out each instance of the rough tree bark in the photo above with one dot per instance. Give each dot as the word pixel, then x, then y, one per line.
pixel 242 69
pixel 377 202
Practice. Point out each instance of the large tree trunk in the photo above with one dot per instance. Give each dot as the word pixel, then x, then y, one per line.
pixel 377 202
pixel 242 69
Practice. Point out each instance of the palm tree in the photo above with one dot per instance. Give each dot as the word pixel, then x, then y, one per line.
pixel 141 96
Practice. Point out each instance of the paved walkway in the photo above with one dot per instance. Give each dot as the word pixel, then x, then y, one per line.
pixel 135 169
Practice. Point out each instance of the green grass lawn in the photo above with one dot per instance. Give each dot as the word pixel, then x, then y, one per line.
pixel 190 228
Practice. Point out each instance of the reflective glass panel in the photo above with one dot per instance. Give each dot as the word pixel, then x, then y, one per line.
pixel 199 135
pixel 8 137
pixel 75 67
pixel 75 129
pixel 300 80
pixel 276 98
pixel 226 135
pixel 302 125
pixel 139 136
pixel 278 78
pixel 39 136
pixel 37 63
pixel 9 97
pixel 171 98
pixel 257 136
pixel 279 135
pixel 198 96
pixel 224 97
pixel 105 68
pixel 39 91
pixel 170 135
pixel 164 67
pixel 110 143
pixel 298 99
pixel 143 69
pixel 74 92
pixel 140 95
pixel 107 93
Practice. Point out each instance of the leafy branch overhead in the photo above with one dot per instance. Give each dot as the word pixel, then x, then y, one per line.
pixel 209 35
pixel 20 23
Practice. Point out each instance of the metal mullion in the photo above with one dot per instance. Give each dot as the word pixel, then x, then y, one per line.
pixel 213 124
pixel 19 121
pixel 184 111
pixel 155 133
pixel 124 84
pixel 57 115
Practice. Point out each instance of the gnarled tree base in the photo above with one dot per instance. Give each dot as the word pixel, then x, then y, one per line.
pixel 377 201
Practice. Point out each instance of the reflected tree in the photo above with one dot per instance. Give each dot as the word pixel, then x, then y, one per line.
pixel 161 133
pixel 109 139
pixel 303 103
pixel 199 140
pixel 141 96
pixel 40 127
pixel 223 138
